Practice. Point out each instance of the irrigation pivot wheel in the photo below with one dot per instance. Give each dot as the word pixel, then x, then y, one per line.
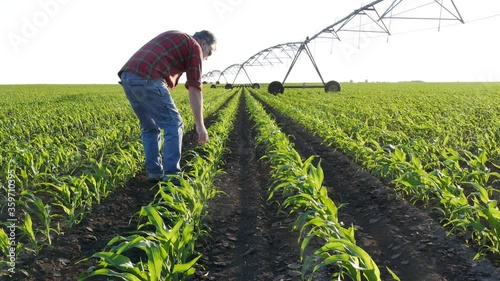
pixel 213 86
pixel 275 88
pixel 332 86
pixel 255 86
pixel 228 86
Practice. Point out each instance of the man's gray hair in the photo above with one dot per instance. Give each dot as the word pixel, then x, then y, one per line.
pixel 205 35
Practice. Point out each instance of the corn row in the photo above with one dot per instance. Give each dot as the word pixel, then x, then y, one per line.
pixel 300 182
pixel 173 220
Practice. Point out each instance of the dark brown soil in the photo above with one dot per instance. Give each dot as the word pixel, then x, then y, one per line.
pixel 250 240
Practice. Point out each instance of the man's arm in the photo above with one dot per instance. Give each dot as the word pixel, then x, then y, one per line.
pixel 196 102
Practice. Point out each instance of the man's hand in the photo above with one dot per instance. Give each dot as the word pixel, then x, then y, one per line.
pixel 202 134
pixel 196 102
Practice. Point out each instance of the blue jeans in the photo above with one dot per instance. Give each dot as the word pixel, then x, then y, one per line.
pixel 155 108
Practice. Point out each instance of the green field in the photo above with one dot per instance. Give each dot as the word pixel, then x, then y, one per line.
pixel 65 148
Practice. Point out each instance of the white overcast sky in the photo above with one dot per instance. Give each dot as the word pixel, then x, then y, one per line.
pixel 87 41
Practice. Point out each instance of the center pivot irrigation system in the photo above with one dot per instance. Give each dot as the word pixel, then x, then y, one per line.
pixel 366 19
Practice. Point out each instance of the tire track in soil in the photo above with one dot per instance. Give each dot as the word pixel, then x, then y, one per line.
pixel 408 240
pixel 249 239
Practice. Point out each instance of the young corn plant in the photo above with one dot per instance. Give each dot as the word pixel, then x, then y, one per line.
pixel 9 248
pixel 4 242
pixel 99 183
pixel 160 248
pixel 28 231
pixel 72 195
pixel 34 205
pixel 481 173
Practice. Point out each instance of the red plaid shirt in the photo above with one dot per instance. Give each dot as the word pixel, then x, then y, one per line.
pixel 167 56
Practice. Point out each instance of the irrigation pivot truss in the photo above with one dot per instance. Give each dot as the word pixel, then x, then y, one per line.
pixel 212 76
pixel 271 56
pixel 375 17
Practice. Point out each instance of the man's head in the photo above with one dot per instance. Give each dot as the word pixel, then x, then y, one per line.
pixel 207 41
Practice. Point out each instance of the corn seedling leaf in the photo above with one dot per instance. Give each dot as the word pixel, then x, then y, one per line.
pixel 394 276
pixel 180 268
pixel 116 260
pixel 122 275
